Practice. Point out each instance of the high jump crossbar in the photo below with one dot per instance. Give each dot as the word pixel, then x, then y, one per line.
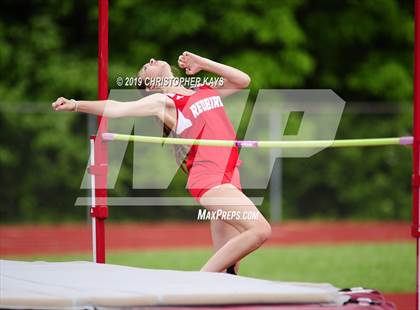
pixel 108 136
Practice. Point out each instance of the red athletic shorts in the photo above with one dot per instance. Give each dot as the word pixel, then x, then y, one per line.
pixel 205 175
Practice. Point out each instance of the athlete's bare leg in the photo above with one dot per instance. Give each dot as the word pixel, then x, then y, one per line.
pixel 222 232
pixel 253 232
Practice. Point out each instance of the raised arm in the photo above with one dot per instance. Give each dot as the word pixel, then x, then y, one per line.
pixel 153 105
pixel 234 79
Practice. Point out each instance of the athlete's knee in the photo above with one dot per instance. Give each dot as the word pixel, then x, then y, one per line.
pixel 261 232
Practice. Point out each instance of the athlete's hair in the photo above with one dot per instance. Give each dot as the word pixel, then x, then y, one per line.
pixel 181 151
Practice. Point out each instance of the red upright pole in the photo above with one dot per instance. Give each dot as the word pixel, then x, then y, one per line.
pixel 100 211
pixel 416 143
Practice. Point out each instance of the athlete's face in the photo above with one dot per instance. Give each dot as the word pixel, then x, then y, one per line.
pixel 155 68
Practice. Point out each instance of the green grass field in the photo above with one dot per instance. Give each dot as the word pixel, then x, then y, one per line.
pixel 388 267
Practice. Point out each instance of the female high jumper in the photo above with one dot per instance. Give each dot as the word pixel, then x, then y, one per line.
pixel 213 176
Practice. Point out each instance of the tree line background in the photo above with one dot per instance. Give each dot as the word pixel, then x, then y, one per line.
pixel 363 50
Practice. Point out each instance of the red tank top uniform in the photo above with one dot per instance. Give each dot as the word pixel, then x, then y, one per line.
pixel 202 116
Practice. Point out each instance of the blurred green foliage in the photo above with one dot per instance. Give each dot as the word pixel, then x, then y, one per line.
pixel 360 49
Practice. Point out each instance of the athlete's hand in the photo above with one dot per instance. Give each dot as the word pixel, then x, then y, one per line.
pixel 63 104
pixel 190 62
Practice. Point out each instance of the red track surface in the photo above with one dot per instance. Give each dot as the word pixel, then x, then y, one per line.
pixel 21 240
pixel 61 239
